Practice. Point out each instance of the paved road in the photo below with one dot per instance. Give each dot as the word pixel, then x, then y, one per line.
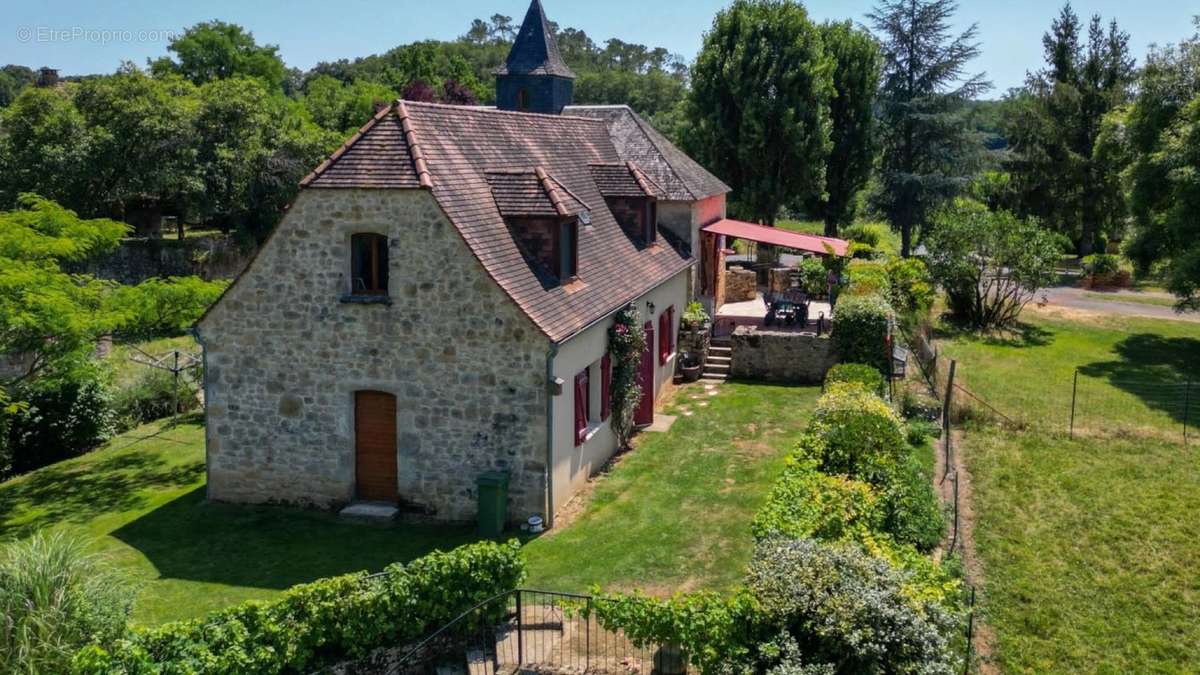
pixel 1076 298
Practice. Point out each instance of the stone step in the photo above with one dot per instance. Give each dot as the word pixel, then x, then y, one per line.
pixel 720 351
pixel 716 368
pixel 370 511
pixel 713 379
pixel 719 359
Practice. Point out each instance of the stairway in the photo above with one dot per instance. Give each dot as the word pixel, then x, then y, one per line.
pixel 720 357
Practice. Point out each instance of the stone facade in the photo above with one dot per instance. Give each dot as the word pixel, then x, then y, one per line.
pixel 741 284
pixel 791 357
pixel 285 354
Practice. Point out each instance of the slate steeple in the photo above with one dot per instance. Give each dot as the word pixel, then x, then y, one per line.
pixel 534 78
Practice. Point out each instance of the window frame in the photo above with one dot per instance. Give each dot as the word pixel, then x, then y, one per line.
pixel 377 265
pixel 581 407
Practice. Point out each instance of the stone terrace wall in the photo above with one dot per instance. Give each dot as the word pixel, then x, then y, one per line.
pixel 285 356
pixel 741 284
pixel 781 356
pixel 136 260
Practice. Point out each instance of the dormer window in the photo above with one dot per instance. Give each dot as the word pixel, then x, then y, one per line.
pixel 631 197
pixel 368 265
pixel 543 215
pixel 552 244
pixel 523 100
pixel 638 217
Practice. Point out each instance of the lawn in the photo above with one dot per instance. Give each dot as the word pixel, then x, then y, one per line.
pixel 1089 546
pixel 1156 300
pixel 674 513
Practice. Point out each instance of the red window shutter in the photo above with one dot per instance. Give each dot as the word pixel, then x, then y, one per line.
pixel 671 328
pixel 581 407
pixel 605 384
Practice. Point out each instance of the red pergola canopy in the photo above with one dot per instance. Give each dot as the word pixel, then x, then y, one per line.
pixel 777 237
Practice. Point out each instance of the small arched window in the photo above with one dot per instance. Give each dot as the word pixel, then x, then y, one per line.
pixel 368 264
pixel 523 100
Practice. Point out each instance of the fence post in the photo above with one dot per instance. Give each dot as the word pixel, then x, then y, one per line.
pixel 1074 391
pixel 520 632
pixel 946 420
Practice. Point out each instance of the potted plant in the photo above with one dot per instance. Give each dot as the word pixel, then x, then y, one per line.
pixel 690 366
pixel 694 317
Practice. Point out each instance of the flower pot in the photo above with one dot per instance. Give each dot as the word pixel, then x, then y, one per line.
pixel 691 373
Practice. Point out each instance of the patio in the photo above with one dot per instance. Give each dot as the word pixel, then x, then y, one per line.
pixel 754 313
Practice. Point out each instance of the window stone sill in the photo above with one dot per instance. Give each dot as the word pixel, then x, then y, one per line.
pixel 366 299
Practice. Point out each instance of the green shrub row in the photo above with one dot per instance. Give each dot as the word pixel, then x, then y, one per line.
pixel 860 330
pixel 859 373
pixel 314 624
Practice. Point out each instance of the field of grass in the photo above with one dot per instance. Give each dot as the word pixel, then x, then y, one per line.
pixel 1089 546
pixel 673 513
pixel 1155 300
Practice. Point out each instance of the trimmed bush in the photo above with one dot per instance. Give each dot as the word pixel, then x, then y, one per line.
pixel 860 331
pixel 813 276
pixel 805 503
pixel 853 432
pixel 850 610
pixel 54 599
pixel 859 373
pixel 318 623
pixel 867 277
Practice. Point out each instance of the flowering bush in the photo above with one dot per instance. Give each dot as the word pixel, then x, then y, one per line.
pixel 626 341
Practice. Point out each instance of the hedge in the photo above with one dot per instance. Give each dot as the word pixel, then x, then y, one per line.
pixel 805 503
pixel 313 624
pixel 860 331
pixel 854 432
pixel 859 373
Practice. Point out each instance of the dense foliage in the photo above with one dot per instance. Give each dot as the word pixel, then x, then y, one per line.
pixel 1158 140
pixel 860 333
pixel 626 342
pixel 1053 124
pixel 314 624
pixel 60 417
pixel 153 395
pixel 856 433
pixel 928 147
pixel 857 373
pixel 54 599
pixel 769 149
pixel 990 263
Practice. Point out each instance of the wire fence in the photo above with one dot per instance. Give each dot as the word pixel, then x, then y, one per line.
pixel 1127 406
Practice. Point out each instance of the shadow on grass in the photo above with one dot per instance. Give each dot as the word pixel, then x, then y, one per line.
pixel 273 547
pixel 75 493
pixel 1020 335
pixel 1154 368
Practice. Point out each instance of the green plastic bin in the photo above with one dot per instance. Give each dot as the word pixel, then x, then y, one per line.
pixel 493 503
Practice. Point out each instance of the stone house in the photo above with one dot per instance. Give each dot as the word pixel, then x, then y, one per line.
pixel 436 303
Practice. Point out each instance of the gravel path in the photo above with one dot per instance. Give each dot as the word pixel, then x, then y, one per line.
pixel 1076 298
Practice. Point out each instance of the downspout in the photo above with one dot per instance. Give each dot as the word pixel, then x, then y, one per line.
pixel 195 333
pixel 550 433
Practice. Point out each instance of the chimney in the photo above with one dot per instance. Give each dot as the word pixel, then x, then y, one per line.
pixel 47 77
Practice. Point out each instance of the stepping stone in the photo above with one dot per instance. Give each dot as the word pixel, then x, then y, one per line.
pixel 662 423
pixel 370 511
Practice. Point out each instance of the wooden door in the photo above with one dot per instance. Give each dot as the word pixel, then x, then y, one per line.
pixel 645 410
pixel 375 446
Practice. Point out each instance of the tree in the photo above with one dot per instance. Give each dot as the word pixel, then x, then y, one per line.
pixel 990 263
pixel 927 146
pixel 852 116
pixel 759 106
pixel 216 50
pixel 1160 134
pixel 142 160
pixel 45 147
pixel 1054 124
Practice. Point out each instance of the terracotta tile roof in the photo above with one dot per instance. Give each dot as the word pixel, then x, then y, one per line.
pixel 531 193
pixel 382 154
pixel 470 154
pixel 624 180
pixel 535 51
pixel 679 176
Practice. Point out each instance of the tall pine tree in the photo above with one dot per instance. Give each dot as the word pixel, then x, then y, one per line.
pixel 928 149
pixel 1053 124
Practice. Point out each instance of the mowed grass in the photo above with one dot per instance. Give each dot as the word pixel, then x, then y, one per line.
pixel 1089 546
pixel 674 513
pixel 1134 298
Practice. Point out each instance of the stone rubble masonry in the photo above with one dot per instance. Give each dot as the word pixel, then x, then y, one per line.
pixel 741 284
pixel 791 357
pixel 285 355
pixel 779 279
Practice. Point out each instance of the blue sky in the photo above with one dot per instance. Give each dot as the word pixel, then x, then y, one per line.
pixel 68 34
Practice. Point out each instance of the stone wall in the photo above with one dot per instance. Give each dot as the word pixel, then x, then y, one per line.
pixel 285 355
pixel 741 284
pixel 779 279
pixel 135 260
pixel 791 357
